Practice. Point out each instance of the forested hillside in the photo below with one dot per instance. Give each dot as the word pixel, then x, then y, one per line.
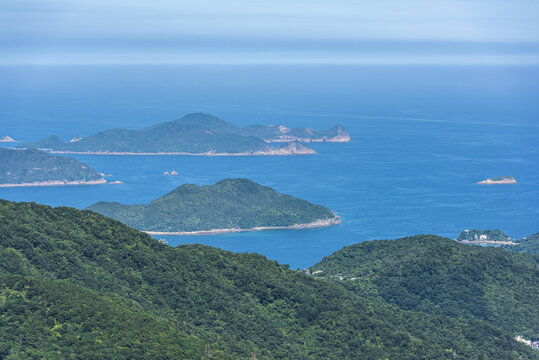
pixel 236 303
pixel 440 276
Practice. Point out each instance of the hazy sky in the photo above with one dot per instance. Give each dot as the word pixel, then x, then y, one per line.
pixel 276 31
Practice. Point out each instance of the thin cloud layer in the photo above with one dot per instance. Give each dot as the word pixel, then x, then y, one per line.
pixel 342 31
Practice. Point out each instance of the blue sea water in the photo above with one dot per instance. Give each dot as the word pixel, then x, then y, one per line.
pixel 421 138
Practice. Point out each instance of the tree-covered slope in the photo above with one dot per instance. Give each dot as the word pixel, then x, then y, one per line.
pixel 44 319
pixel 440 276
pixel 528 244
pixel 195 133
pixel 228 204
pixel 31 166
pixel 243 303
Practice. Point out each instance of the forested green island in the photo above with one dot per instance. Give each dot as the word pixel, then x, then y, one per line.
pixel 439 276
pixel 230 205
pixel 77 284
pixel 32 167
pixel 195 134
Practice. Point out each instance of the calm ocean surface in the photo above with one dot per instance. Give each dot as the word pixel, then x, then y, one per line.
pixel 421 138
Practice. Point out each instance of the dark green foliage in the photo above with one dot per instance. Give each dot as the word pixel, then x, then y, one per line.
pixel 57 320
pixel 28 166
pixel 237 303
pixel 194 133
pixel 440 276
pixel 229 204
pixel 475 235
pixel 528 244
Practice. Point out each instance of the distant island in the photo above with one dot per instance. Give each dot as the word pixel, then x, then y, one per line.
pixel 6 139
pixel 195 134
pixel 499 180
pixel 231 205
pixel 36 168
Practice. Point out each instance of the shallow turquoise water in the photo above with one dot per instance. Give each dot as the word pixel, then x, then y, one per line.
pixel 421 139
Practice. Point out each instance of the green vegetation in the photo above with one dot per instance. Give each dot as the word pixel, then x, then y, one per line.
pixel 236 303
pixel 29 166
pixel 528 244
pixel 228 204
pixel 440 276
pixel 194 133
pixel 481 235
pixel 57 320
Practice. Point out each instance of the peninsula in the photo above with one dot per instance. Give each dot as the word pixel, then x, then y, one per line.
pixel 499 180
pixel 36 168
pixel 195 134
pixel 529 244
pixel 231 205
pixel 493 237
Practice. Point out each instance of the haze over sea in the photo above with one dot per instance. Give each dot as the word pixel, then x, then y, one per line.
pixel 421 138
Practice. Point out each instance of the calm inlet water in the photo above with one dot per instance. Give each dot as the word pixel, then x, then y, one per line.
pixel 421 138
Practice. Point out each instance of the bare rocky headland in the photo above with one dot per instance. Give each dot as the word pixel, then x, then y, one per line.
pixel 7 139
pixel 498 180
pixel 314 224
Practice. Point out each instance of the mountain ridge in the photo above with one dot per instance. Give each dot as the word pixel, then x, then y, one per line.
pixel 236 304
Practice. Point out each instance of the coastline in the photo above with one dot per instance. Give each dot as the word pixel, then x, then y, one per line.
pixel 493 242
pixel 209 153
pixel 311 225
pixel 499 182
pixel 309 140
pixel 57 183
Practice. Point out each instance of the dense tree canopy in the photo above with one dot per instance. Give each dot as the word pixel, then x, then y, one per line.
pixel 235 303
pixel 528 244
pixel 29 166
pixel 228 204
pixel 440 276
